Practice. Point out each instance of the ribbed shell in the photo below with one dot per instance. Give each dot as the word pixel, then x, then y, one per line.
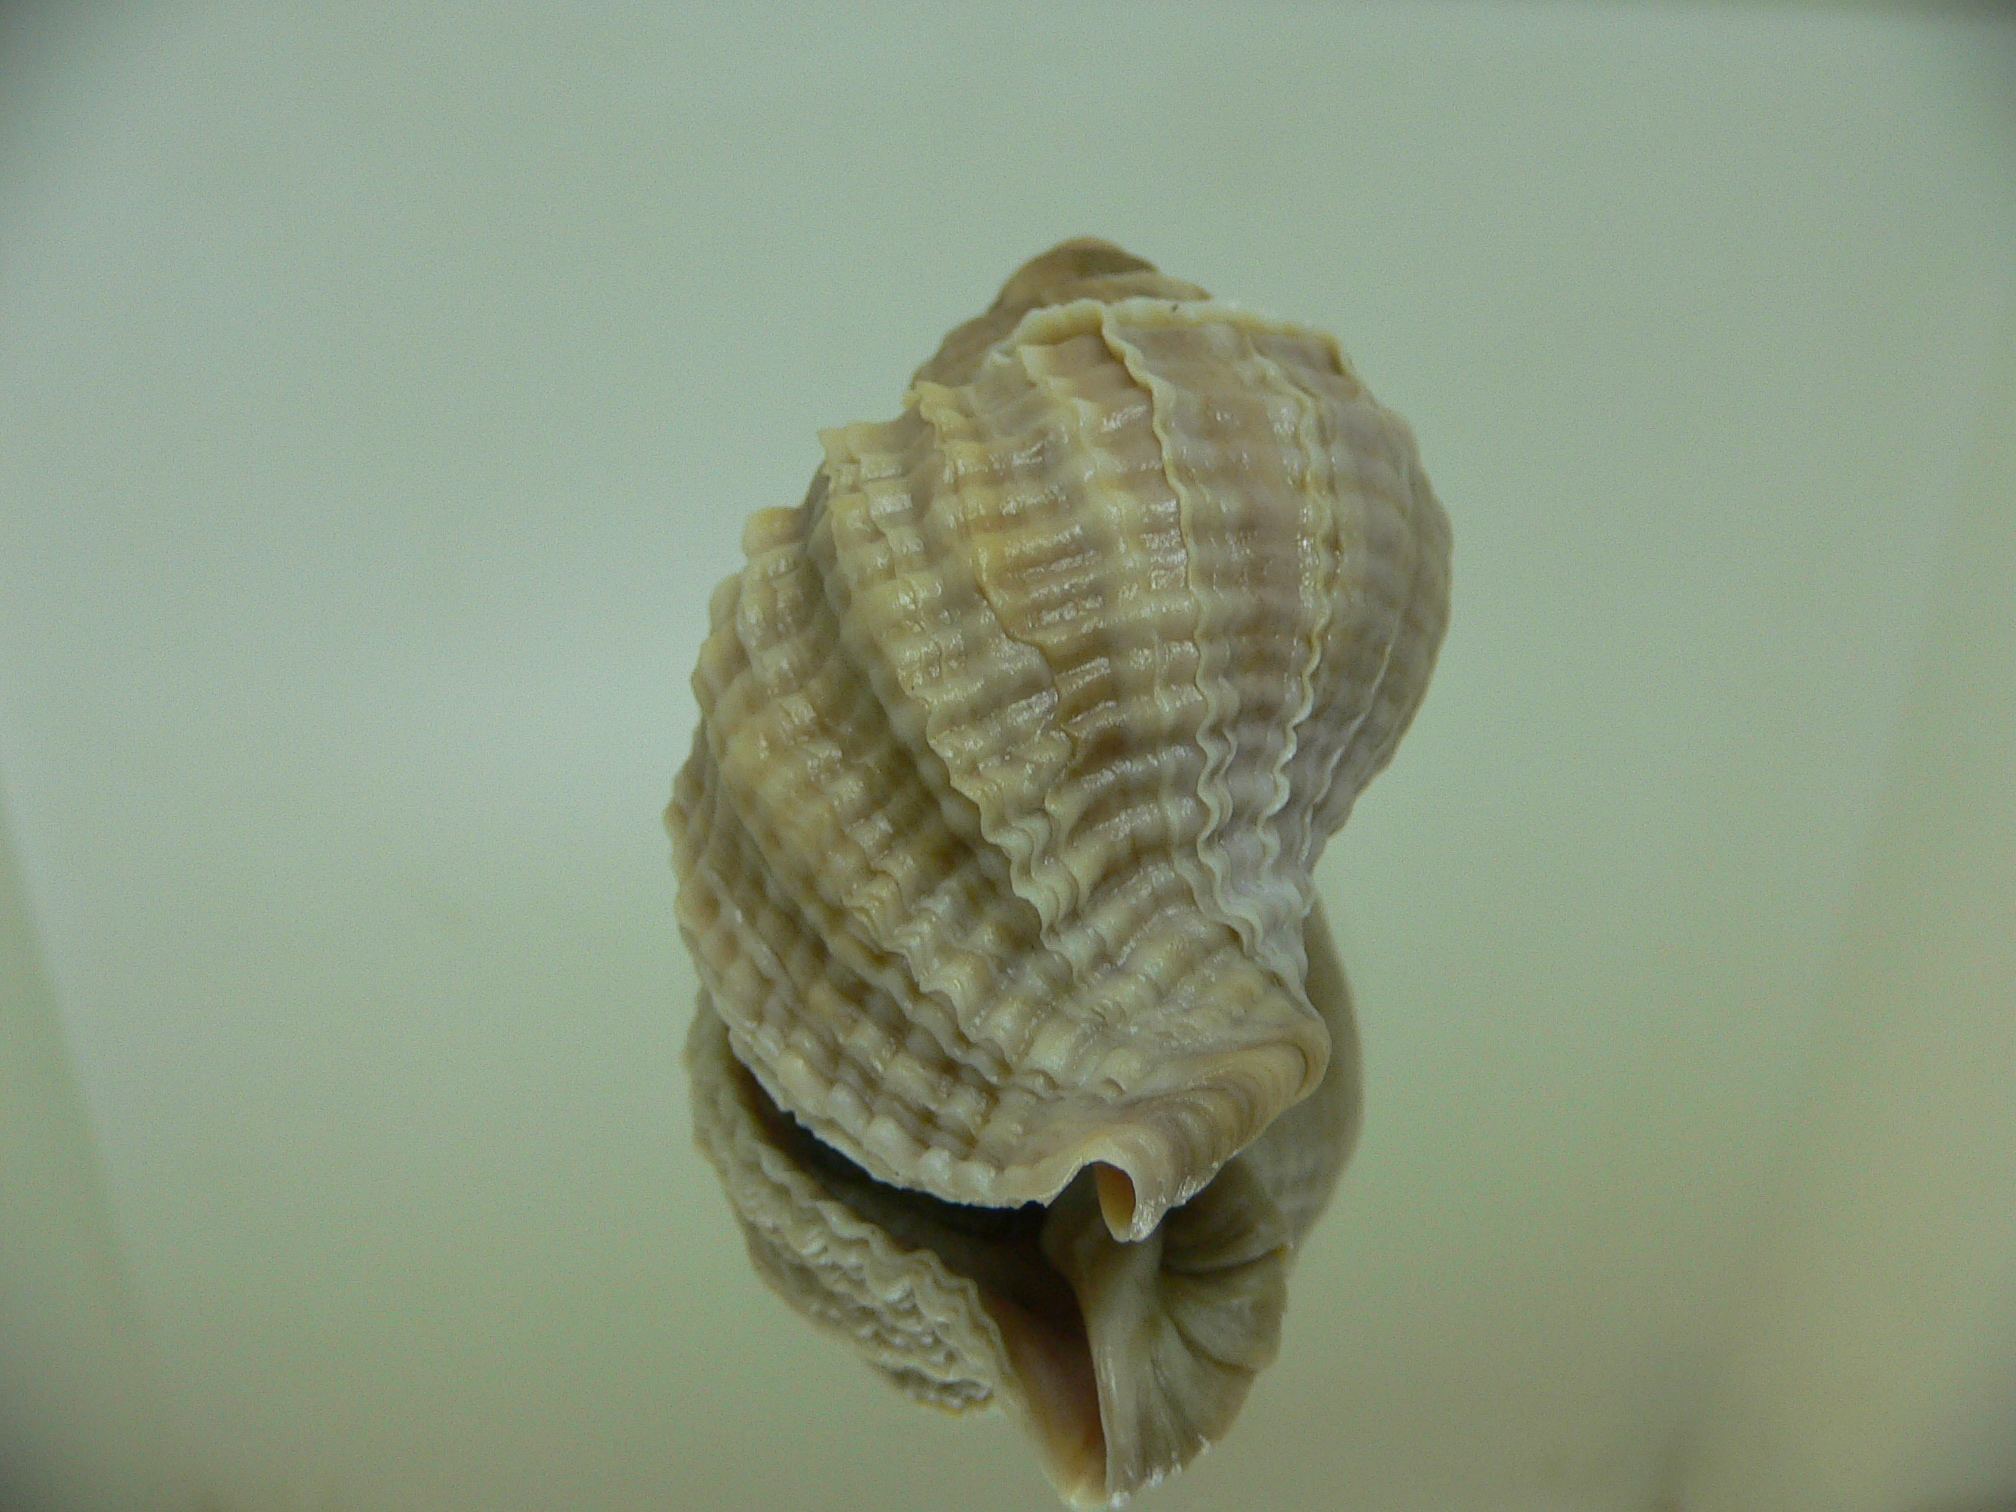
pixel 1021 736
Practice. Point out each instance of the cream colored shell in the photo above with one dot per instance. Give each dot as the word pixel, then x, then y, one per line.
pixel 1021 735
pixel 1019 741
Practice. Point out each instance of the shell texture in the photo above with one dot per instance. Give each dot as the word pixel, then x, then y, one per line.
pixel 1020 738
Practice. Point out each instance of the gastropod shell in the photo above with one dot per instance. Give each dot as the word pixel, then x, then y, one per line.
pixel 1022 1052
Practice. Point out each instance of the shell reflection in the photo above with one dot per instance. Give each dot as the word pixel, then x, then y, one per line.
pixel 1022 1053
pixel 1122 1360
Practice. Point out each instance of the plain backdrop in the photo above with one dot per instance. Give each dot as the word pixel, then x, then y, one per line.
pixel 381 392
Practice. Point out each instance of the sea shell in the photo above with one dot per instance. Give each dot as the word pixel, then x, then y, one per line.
pixel 1019 741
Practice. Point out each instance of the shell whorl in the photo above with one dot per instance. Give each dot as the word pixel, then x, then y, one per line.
pixel 1021 735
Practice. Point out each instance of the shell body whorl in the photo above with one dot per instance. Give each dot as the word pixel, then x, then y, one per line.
pixel 1020 738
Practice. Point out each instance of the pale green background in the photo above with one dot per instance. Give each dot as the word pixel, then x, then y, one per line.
pixel 381 391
